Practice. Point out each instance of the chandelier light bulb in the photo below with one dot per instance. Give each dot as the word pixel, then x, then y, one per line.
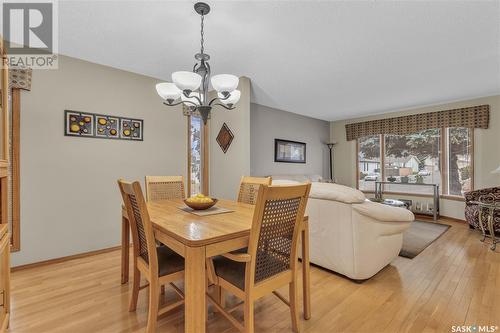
pixel 225 82
pixel 185 80
pixel 233 98
pixel 168 91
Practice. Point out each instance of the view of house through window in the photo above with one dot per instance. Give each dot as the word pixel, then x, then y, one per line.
pixel 412 158
pixel 195 172
pixel 417 158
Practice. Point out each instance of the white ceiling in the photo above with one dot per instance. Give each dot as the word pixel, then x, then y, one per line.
pixel 324 59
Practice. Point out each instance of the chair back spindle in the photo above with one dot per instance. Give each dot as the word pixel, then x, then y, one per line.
pixel 164 188
pixel 249 188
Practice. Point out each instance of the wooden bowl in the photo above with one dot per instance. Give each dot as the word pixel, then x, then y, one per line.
pixel 199 205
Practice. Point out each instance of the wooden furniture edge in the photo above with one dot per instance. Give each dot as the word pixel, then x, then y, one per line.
pixel 66 258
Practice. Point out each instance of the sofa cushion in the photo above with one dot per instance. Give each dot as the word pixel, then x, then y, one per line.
pixel 383 213
pixel 336 192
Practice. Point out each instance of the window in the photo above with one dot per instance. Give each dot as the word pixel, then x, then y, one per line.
pixel 368 162
pixel 197 156
pixel 195 163
pixel 440 156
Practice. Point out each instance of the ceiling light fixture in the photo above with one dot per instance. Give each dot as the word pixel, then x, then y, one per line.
pixel 191 88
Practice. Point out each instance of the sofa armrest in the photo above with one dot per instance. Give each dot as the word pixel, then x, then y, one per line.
pixel 383 213
pixel 492 194
pixel 471 196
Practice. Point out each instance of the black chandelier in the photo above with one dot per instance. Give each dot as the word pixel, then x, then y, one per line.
pixel 191 88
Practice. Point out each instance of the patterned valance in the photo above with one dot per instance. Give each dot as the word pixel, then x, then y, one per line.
pixel 471 117
pixel 20 78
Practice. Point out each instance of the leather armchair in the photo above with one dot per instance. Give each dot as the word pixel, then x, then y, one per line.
pixel 488 195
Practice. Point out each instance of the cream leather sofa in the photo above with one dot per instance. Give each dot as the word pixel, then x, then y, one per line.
pixel 351 235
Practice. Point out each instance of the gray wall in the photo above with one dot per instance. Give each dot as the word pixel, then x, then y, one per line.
pixel 267 124
pixel 70 201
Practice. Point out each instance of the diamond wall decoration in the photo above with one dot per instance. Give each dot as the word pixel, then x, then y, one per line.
pixel 225 137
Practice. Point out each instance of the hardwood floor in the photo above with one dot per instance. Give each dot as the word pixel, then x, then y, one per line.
pixel 455 281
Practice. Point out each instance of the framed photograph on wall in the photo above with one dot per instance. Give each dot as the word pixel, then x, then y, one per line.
pixel 287 151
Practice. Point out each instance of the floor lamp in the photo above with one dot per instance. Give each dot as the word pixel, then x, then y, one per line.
pixel 330 146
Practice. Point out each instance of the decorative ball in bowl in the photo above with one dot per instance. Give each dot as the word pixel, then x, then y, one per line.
pixel 200 202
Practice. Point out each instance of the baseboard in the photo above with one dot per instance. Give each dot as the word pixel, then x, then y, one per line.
pixel 63 259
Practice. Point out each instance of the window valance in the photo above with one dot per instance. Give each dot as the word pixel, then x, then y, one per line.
pixel 470 117
pixel 20 78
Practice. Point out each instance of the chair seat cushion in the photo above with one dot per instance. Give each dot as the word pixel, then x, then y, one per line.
pixel 169 262
pixel 230 270
pixel 234 271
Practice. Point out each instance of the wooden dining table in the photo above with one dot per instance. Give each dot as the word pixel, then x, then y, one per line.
pixel 197 238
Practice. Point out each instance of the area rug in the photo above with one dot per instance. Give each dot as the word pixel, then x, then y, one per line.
pixel 420 235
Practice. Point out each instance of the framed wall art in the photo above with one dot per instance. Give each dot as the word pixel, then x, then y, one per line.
pixel 287 151
pixel 93 125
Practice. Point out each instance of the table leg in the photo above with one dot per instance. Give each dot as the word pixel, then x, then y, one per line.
pixel 125 249
pixel 195 289
pixel 306 273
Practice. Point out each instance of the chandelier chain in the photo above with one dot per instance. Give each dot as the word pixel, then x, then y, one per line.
pixel 202 34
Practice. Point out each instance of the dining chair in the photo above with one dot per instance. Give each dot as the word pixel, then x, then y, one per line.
pixel 159 264
pixel 271 259
pixel 164 188
pixel 249 187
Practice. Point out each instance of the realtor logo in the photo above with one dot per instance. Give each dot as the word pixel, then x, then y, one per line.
pixel 29 31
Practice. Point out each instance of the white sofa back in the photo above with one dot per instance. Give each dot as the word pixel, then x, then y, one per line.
pixel 299 178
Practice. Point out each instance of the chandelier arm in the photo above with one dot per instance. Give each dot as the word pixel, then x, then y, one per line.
pixel 182 102
pixel 195 97
pixel 225 107
pixel 218 99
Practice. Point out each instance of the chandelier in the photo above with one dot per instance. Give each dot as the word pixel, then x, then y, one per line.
pixel 191 88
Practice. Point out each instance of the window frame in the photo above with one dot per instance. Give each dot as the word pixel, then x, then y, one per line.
pixel 442 159
pixel 15 181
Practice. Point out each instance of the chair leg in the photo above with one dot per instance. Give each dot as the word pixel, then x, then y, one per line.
pixel 248 315
pixel 135 289
pixel 154 300
pixel 219 296
pixel 222 298
pixel 294 306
